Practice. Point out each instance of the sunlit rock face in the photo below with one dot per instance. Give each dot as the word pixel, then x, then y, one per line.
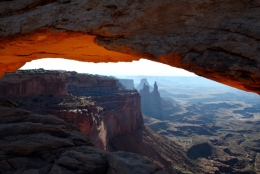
pixel 218 40
pixel 33 84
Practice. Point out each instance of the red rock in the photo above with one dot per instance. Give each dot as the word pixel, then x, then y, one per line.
pixel 33 84
pixel 217 40
pixel 102 116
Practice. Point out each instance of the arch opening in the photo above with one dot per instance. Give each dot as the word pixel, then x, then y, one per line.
pixel 69 45
pixel 16 51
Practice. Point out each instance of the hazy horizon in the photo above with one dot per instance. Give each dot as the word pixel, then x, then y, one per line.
pixel 143 67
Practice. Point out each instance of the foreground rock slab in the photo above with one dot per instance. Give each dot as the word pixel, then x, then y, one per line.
pixel 41 144
pixel 219 40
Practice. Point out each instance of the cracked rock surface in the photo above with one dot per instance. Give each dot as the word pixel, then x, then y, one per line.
pixel 45 144
pixel 219 40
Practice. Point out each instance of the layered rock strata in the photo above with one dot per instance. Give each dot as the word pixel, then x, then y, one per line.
pixel 122 113
pixel 105 116
pixel 43 144
pixel 217 40
pixel 96 105
pixel 55 82
pixel 32 84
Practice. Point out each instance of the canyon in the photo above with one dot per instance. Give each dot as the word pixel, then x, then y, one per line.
pixel 217 40
pixel 216 125
pixel 41 144
pixel 99 107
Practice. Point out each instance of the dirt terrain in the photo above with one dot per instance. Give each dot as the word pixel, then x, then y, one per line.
pixel 218 126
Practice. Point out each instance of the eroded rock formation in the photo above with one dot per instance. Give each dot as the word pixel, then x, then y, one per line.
pixel 142 83
pixel 34 143
pixel 55 82
pixel 33 84
pixel 108 114
pixel 218 40
pixel 122 113
pixel 151 103
pixel 96 105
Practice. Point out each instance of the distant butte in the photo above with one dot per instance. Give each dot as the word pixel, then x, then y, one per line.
pixel 219 40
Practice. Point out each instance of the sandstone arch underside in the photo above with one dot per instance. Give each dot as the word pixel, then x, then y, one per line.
pixel 219 40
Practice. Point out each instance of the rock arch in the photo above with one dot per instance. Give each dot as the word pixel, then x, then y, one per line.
pixel 219 40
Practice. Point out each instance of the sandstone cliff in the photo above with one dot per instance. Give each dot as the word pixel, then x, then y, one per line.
pixel 95 104
pixel 215 39
pixel 31 84
pixel 121 108
pixel 122 113
pixel 55 82
pixel 110 116
pixel 45 144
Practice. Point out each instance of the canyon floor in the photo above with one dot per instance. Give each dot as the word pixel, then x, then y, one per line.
pixel 218 126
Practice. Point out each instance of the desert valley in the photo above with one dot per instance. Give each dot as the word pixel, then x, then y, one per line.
pixel 217 125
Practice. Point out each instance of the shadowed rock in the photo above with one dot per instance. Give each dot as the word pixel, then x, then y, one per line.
pixel 97 105
pixel 33 143
pixel 217 40
pixel 202 150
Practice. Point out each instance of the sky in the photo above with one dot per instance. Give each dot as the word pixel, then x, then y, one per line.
pixel 142 67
